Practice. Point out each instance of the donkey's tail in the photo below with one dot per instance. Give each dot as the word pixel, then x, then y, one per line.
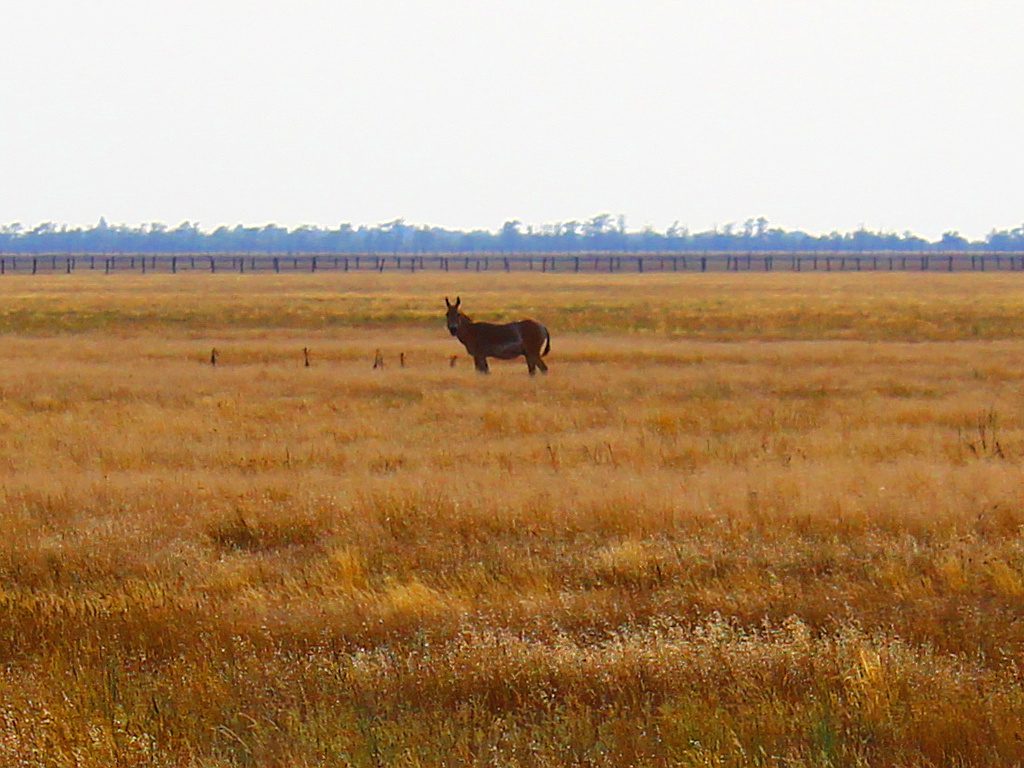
pixel 547 346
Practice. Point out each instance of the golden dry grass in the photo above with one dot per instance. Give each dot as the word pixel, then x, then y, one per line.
pixel 747 519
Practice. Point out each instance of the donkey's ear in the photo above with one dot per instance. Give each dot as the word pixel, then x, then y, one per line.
pixel 446 302
pixel 458 301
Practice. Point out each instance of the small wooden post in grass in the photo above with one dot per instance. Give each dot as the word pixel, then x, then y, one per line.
pixel 401 359
pixel 305 355
pixel 452 361
pixel 378 360
pixel 214 354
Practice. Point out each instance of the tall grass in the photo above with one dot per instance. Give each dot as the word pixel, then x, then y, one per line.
pixel 683 546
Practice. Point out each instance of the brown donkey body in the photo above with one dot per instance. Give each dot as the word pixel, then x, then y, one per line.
pixel 506 341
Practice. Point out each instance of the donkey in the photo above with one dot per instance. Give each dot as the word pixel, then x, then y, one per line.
pixel 505 342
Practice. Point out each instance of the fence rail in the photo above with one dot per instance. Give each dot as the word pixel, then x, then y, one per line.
pixel 759 261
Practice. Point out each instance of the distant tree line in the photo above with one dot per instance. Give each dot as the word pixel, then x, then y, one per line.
pixel 600 233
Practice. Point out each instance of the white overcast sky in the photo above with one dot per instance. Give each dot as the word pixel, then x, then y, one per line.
pixel 818 115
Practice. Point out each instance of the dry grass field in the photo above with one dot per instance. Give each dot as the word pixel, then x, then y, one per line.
pixel 745 520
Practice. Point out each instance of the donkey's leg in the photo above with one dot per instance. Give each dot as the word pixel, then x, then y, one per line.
pixel 542 365
pixel 481 364
pixel 531 364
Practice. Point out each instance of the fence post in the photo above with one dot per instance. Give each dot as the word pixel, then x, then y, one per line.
pixel 640 264
pixel 508 266
pixel 949 264
pixel 174 265
pixel 3 266
pixel 703 263
pixel 35 266
pixel 312 265
pixel 213 266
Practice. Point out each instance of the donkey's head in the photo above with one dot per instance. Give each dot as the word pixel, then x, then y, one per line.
pixel 452 316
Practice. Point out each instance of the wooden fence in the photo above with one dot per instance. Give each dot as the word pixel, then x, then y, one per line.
pixel 760 261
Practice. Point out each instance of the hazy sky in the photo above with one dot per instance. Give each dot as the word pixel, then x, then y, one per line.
pixel 818 115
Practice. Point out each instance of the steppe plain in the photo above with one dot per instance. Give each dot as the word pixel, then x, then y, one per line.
pixel 747 519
